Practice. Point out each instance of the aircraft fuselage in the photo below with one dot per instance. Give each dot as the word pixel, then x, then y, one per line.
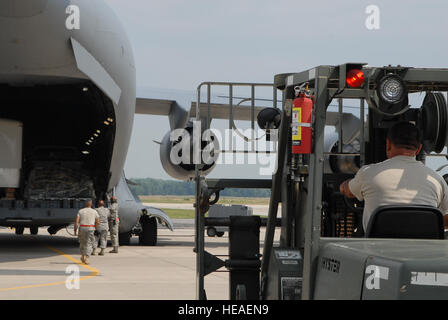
pixel 67 74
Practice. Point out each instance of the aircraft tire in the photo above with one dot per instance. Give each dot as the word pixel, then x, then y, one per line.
pixel 34 230
pixel 148 236
pixel 211 231
pixel 124 239
pixel 19 230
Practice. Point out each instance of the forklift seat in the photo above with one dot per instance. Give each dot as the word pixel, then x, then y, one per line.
pixel 406 221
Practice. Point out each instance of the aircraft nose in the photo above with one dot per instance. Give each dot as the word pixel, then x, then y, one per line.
pixel 34 38
pixel 22 8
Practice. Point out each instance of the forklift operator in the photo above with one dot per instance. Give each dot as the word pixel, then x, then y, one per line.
pixel 400 179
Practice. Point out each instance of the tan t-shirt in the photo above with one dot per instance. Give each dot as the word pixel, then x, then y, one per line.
pixel 104 215
pixel 87 216
pixel 399 180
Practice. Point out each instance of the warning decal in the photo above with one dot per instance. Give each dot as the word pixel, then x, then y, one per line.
pixel 296 119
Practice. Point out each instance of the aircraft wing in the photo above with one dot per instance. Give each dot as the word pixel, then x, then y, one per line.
pixel 221 111
pixel 179 115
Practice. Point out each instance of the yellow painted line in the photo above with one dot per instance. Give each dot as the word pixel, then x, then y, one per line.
pixel 94 272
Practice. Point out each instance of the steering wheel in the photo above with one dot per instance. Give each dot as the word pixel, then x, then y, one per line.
pixel 354 204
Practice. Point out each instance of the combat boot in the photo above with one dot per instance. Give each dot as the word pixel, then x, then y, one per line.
pixel 115 250
pixel 86 260
pixel 82 259
pixel 101 252
pixel 93 252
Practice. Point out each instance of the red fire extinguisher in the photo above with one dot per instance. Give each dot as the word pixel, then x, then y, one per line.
pixel 302 111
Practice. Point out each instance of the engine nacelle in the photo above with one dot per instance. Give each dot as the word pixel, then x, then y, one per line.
pixel 338 163
pixel 177 153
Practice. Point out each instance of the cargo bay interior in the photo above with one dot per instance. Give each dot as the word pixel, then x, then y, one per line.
pixel 68 136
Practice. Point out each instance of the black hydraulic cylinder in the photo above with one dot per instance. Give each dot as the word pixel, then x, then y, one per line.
pixel 244 252
pixel 249 264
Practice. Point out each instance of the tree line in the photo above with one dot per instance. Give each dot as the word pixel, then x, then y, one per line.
pixel 159 187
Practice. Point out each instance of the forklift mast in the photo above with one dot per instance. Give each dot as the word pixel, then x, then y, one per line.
pixel 315 200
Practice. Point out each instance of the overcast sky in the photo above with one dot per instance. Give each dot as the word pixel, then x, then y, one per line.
pixel 178 44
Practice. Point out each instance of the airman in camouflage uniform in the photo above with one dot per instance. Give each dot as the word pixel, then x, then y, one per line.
pixel 113 224
pixel 103 228
pixel 87 220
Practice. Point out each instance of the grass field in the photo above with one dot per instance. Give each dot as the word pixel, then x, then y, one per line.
pixel 190 199
pixel 183 213
pixel 179 213
pixel 189 213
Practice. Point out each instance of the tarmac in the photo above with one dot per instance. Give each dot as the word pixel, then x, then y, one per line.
pixel 43 267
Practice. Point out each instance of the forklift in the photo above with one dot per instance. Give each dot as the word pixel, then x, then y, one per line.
pixel 323 252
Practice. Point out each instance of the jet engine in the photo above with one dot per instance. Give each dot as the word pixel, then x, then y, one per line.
pixel 348 164
pixel 179 154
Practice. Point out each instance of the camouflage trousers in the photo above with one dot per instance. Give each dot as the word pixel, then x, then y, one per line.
pixel 113 229
pixel 101 237
pixel 86 240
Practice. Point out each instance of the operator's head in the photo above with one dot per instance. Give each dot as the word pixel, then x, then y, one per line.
pixel 89 204
pixel 101 203
pixel 403 138
pixel 114 199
